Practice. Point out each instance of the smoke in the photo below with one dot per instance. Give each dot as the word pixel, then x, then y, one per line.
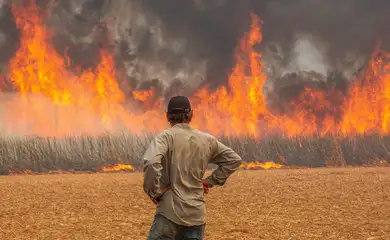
pixel 184 43
pixel 145 49
pixel 318 44
pixel 345 31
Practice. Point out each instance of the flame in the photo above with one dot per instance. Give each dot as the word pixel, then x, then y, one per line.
pixel 46 86
pixel 143 96
pixel 240 106
pixel 259 165
pixel 114 168
pixel 19 172
pixel 54 100
pixel 368 106
pixel 242 109
pixel 118 168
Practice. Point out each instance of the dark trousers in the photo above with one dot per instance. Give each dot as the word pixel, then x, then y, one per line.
pixel 164 229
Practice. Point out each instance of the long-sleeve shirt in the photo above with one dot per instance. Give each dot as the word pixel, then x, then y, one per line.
pixel 174 166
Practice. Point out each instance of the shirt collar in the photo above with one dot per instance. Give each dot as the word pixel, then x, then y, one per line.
pixel 182 126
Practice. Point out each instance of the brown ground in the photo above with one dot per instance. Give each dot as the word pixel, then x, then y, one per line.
pixel 349 203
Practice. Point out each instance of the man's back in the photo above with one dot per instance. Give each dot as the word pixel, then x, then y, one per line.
pixel 185 154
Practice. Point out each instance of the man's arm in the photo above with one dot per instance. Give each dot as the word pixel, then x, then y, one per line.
pixel 228 162
pixel 152 166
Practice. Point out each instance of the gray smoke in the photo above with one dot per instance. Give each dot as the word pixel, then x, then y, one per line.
pixel 322 36
pixel 183 43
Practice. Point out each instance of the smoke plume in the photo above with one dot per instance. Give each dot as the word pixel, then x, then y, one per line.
pixel 178 45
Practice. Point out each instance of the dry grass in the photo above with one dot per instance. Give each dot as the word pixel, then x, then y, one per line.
pixel 345 203
pixel 86 153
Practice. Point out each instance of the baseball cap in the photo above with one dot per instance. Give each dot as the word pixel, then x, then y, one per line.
pixel 179 104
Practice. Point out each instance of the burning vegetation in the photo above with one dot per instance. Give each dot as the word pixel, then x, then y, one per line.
pixel 119 168
pixel 259 165
pixel 51 94
pixel 55 100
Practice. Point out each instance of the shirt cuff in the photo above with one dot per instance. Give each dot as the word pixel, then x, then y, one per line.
pixel 211 181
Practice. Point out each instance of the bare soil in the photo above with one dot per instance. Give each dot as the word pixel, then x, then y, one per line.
pixel 349 203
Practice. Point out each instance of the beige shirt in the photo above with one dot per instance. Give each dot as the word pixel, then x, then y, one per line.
pixel 177 159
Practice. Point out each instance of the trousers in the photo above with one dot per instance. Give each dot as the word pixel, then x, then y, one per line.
pixel 164 229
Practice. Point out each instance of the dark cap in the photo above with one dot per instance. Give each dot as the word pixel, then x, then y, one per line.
pixel 179 104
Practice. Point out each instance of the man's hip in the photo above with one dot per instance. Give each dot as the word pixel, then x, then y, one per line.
pixel 164 229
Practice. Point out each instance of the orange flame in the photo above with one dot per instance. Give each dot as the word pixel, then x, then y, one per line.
pixel 48 88
pixel 53 100
pixel 368 108
pixel 236 110
pixel 259 165
pixel 19 172
pixel 118 168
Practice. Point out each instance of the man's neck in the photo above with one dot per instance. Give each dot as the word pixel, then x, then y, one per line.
pixel 183 124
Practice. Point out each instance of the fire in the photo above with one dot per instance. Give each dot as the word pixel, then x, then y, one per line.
pixel 368 108
pixel 20 172
pixel 241 108
pixel 54 100
pixel 237 109
pixel 46 86
pixel 259 165
pixel 118 168
pixel 114 168
pixel 143 96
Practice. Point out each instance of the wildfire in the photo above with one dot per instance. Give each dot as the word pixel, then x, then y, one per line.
pixel 119 168
pixel 53 100
pixel 19 172
pixel 259 165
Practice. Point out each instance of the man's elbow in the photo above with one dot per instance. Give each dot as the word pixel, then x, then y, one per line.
pixel 237 162
pixel 237 165
pixel 234 162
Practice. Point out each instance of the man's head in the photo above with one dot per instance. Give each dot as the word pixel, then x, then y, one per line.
pixel 179 110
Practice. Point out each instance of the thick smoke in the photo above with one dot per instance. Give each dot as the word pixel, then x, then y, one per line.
pixel 177 45
pixel 344 32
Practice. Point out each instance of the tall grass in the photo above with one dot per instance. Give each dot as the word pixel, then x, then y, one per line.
pixel 315 151
pixel 91 153
pixel 83 153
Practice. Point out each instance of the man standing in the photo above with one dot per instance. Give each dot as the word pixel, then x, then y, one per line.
pixel 174 167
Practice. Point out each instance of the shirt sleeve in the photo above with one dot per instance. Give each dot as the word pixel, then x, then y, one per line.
pixel 227 161
pixel 152 166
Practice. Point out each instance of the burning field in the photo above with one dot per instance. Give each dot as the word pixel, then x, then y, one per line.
pixel 51 94
pixel 84 85
pixel 56 115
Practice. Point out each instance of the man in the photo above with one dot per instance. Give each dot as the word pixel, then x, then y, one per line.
pixel 174 167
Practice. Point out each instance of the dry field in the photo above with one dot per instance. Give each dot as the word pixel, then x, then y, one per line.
pixel 349 203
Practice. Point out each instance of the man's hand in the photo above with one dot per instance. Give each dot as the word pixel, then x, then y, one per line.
pixel 206 186
pixel 157 199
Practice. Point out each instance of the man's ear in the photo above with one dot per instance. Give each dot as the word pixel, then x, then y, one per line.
pixel 167 116
pixel 190 115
